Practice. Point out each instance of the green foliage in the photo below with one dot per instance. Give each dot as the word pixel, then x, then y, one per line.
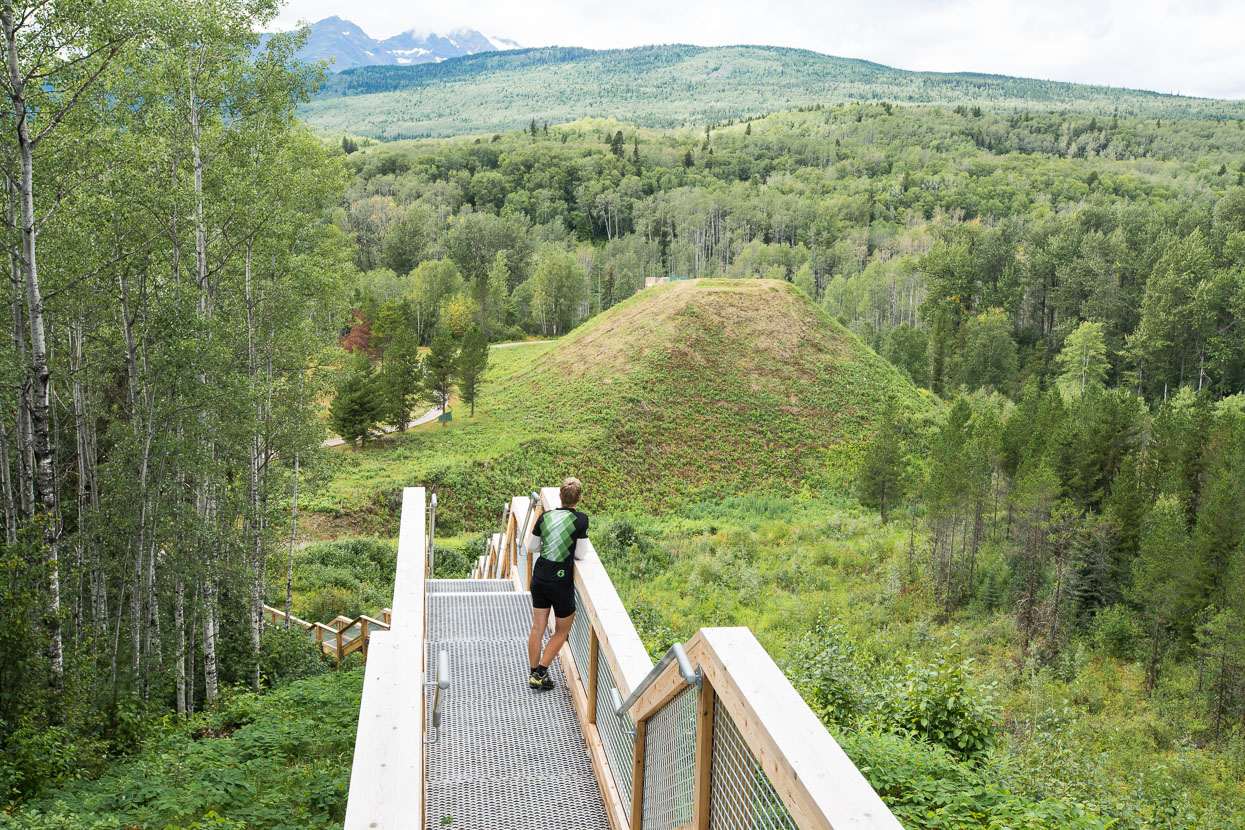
pixel 285 656
pixel 277 761
pixel 885 470
pixel 989 357
pixel 471 366
pixel 399 385
pixel 1083 360
pixel 347 577
pixel 939 703
pixel 439 366
pixel 689 85
pixel 1116 632
pixel 356 406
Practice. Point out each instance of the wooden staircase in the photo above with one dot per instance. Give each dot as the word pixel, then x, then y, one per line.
pixel 342 636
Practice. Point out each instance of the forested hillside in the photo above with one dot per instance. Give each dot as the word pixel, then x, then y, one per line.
pixel 676 86
pixel 1071 286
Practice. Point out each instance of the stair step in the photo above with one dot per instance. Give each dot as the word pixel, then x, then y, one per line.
pixel 481 586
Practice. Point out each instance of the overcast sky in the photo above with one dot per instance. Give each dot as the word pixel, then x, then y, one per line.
pixel 1193 47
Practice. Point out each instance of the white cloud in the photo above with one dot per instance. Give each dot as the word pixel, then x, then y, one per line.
pixel 1187 46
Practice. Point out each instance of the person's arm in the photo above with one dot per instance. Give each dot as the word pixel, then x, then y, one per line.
pixel 581 541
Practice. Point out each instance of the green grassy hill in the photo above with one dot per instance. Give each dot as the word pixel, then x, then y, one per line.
pixel 693 390
pixel 673 86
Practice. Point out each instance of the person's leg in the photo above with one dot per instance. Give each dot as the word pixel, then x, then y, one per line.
pixel 561 630
pixel 540 621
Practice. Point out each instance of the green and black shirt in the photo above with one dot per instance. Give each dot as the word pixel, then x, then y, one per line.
pixel 559 530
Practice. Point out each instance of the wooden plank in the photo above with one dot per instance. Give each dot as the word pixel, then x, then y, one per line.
pixel 624 652
pixel 610 796
pixel 703 758
pixel 594 652
pixel 637 776
pixel 387 775
pixel 814 777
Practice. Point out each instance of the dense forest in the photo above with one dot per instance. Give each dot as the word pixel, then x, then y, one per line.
pixel 173 276
pixel 1072 287
pixel 681 85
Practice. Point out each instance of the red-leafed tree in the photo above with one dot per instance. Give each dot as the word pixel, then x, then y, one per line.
pixel 359 338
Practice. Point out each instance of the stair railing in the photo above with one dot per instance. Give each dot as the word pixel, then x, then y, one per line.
pixel 387 776
pixel 332 639
pixel 713 736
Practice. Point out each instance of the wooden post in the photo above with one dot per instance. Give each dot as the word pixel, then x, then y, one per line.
pixel 594 647
pixel 704 757
pixel 637 777
pixel 363 634
pixel 339 647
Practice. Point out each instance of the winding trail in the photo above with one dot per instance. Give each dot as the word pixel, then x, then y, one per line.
pixel 431 414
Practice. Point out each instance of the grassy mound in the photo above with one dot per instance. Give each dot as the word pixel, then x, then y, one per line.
pixel 694 390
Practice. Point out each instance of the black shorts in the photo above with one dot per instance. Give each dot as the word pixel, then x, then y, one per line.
pixel 560 595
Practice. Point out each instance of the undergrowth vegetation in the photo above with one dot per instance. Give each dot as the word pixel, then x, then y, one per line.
pixel 942 716
pixel 278 762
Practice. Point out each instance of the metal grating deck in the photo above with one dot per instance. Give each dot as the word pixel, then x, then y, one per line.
pixel 507 756
pixel 458 586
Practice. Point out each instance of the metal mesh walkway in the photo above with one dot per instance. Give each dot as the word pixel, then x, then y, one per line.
pixel 507 756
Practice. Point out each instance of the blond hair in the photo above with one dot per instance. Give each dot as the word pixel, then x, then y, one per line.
pixel 570 492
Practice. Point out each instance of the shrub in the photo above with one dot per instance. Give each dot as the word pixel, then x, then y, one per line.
pixel 288 655
pixel 831 674
pixel 1116 632
pixel 940 704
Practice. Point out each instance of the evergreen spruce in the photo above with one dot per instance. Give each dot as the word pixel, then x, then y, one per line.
pixel 471 367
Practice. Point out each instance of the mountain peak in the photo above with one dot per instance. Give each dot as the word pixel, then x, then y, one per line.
pixel 344 44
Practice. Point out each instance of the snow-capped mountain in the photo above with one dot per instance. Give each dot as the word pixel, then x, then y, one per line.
pixel 344 45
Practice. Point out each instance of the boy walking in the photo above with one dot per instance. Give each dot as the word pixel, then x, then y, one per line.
pixel 560 536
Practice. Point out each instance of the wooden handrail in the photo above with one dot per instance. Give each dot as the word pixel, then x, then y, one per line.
pixel 816 781
pixel 387 775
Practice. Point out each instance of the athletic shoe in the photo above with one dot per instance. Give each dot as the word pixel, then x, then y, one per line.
pixel 540 681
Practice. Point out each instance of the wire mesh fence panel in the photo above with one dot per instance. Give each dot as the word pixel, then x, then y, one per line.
pixel 619 744
pixel 581 632
pixel 670 763
pixel 741 796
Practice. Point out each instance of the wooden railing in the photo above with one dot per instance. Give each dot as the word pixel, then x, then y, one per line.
pixel 340 637
pixel 387 777
pixel 739 749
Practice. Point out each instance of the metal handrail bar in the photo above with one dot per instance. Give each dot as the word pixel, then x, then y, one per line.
pixel 442 683
pixel 673 654
pixel 501 540
pixel 532 501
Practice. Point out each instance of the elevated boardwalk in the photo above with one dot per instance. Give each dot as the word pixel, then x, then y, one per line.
pixel 711 737
pixel 506 756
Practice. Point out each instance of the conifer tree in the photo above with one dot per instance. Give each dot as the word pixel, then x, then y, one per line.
pixel 439 367
pixel 883 475
pixel 401 380
pixel 471 367
pixel 356 405
pixel 1158 573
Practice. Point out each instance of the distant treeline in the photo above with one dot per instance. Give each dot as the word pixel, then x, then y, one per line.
pixel 680 85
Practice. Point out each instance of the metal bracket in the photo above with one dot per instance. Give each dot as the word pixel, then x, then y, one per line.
pixel 616 699
pixel 442 684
